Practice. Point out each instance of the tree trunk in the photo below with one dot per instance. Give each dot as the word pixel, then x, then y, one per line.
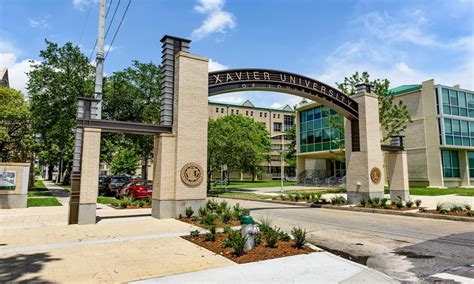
pixel 50 172
pixel 145 167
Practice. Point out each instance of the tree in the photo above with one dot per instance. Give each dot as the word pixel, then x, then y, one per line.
pixel 132 95
pixel 393 117
pixel 54 85
pixel 238 142
pixel 125 161
pixel 16 138
pixel 290 154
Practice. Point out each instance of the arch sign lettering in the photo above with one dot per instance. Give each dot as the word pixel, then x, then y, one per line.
pixel 235 80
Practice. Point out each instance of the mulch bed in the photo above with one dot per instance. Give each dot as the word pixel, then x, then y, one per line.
pixel 462 213
pixel 390 207
pixel 217 224
pixel 259 253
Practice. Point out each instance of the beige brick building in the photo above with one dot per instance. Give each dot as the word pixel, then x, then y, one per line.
pixel 439 142
pixel 276 122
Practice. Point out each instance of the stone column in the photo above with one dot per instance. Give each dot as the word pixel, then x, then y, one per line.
pixel 89 176
pixel 365 167
pixel 464 168
pixel 180 161
pixel 397 171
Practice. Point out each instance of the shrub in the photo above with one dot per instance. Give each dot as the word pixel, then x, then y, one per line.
pixel 227 230
pixel 194 234
pixel 212 204
pixel 291 197
pixel 237 242
pixel 370 201
pixel 376 202
pixel 298 197
pixel 226 216
pixel 189 211
pixel 470 213
pixel 338 200
pixel 418 202
pixel 209 219
pixel 282 197
pixel 383 202
pixel 283 236
pixel 409 203
pixel 439 207
pixel 222 207
pixel 399 203
pixel 126 201
pixel 362 202
pixel 202 211
pixel 265 224
pixel 456 208
pixel 211 235
pixel 423 210
pixel 467 207
pixel 443 211
pixel 238 211
pixel 299 236
pixel 272 236
pixel 140 203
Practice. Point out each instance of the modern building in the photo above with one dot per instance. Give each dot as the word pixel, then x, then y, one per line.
pixel 277 121
pixel 439 142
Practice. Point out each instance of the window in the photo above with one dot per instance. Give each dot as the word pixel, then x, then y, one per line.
pixel 217 110
pixel 458 132
pixel 277 126
pixel 222 110
pixel 246 112
pixel 450 164
pixel 265 114
pixel 315 133
pixel 251 113
pixel 260 114
pixel 237 111
pixel 470 157
pixel 288 122
pixel 457 102
pixel 278 116
pixel 276 146
pixel 232 111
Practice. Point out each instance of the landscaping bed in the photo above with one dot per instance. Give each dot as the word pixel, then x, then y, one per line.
pixel 259 253
pixel 451 210
pixel 449 213
pixel 218 223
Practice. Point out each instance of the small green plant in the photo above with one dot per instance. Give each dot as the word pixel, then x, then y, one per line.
pixel 422 210
pixel 211 235
pixel 291 197
pixel 141 203
pixel 362 202
pixel 226 215
pixel 227 230
pixel 194 234
pixel 399 203
pixel 467 207
pixel 456 208
pixel 212 204
pixel 272 236
pixel 237 242
pixel 126 201
pixel 284 236
pixel 443 211
pixel 418 203
pixel 299 236
pixel 189 211
pixel 439 207
pixel 470 213
pixel 338 200
pixel 209 219
pixel 370 201
pixel 409 204
pixel 265 224
pixel 203 211
pixel 298 197
pixel 238 211
pixel 383 202
pixel 376 202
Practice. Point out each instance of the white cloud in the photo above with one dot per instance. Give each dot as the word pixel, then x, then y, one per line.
pixel 216 66
pixel 82 4
pixel 229 98
pixel 17 69
pixel 217 20
pixel 108 47
pixel 40 24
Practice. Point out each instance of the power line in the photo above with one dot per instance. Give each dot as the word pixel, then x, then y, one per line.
pixel 107 13
pixel 111 21
pixel 85 23
pixel 118 28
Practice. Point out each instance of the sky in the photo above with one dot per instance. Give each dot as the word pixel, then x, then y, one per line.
pixel 404 41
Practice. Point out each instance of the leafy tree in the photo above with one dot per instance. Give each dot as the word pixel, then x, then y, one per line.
pixel 54 85
pixel 16 137
pixel 132 95
pixel 393 117
pixel 290 153
pixel 238 142
pixel 125 161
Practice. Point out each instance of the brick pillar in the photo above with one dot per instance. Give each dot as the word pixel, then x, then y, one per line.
pixel 180 158
pixel 368 161
pixel 397 171
pixel 89 185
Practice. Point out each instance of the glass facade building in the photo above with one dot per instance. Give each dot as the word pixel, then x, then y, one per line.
pixel 315 133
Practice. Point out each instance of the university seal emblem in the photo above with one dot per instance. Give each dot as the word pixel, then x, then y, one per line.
pixel 375 175
pixel 192 174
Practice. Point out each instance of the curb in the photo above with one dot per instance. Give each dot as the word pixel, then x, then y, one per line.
pixel 358 209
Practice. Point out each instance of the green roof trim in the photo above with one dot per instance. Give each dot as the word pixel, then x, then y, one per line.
pixel 250 107
pixel 404 89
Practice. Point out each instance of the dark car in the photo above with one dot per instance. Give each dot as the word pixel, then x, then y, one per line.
pixel 114 183
pixel 137 189
pixel 102 181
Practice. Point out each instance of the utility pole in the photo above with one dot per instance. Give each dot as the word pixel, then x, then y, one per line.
pixel 99 68
pixel 282 161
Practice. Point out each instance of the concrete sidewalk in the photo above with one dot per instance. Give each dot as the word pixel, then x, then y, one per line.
pixel 317 267
pixel 58 191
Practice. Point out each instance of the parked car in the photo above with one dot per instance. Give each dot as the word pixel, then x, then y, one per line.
pixel 114 183
pixel 137 189
pixel 102 181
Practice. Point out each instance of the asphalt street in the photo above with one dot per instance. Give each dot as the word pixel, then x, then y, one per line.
pixel 405 248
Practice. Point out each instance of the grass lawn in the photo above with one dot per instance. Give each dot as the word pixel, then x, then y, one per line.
pixel 106 200
pixel 46 201
pixel 234 184
pixel 244 195
pixel 66 187
pixel 39 189
pixel 438 191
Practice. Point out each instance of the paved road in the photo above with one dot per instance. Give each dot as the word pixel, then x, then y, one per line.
pixel 405 248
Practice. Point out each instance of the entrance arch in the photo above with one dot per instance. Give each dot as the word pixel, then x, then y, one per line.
pixel 253 79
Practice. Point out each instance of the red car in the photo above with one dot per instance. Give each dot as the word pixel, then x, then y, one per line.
pixel 137 189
